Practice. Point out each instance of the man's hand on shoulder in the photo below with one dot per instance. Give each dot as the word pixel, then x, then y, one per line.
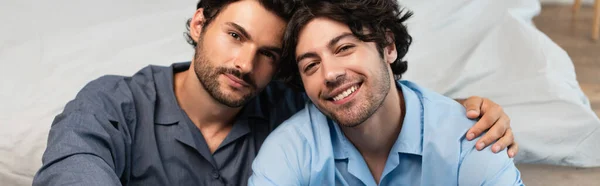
pixel 493 119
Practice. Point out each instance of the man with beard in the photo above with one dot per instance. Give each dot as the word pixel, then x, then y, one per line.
pixel 365 126
pixel 198 123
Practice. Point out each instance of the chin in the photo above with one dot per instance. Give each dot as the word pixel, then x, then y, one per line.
pixel 346 119
pixel 349 122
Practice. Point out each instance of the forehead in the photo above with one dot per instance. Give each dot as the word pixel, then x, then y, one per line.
pixel 254 18
pixel 318 32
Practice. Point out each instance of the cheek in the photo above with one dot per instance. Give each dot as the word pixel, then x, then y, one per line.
pixel 311 86
pixel 358 59
pixel 219 48
pixel 364 62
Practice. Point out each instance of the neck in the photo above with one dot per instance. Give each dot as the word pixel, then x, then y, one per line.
pixel 376 136
pixel 199 105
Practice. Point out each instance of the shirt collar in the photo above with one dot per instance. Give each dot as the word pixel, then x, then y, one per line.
pixel 341 145
pixel 409 141
pixel 167 109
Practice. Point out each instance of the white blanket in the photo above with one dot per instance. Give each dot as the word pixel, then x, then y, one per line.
pixel 50 49
pixel 491 48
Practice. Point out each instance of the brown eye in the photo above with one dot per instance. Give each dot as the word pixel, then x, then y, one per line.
pixel 268 54
pixel 309 67
pixel 235 36
pixel 344 48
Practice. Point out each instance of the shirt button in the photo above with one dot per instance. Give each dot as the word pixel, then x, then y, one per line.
pixel 216 175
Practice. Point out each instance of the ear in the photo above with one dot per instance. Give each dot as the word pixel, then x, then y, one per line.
pixel 197 24
pixel 389 52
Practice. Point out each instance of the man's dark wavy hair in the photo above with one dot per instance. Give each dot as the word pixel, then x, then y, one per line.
pixel 378 17
pixel 281 8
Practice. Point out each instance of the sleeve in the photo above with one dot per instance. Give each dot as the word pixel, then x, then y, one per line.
pixel 488 168
pixel 280 162
pixel 86 144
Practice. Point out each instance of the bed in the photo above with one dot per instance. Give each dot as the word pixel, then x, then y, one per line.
pixel 51 49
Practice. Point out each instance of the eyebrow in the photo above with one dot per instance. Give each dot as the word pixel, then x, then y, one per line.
pixel 241 29
pixel 335 40
pixel 306 55
pixel 244 33
pixel 331 43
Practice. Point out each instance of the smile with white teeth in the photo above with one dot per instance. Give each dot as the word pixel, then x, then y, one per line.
pixel 345 93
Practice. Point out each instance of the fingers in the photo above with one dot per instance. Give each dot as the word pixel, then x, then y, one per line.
pixel 513 149
pixel 489 119
pixel 473 106
pixel 504 142
pixel 498 130
pixel 493 119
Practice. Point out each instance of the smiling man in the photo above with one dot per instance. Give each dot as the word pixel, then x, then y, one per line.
pixel 365 126
pixel 195 123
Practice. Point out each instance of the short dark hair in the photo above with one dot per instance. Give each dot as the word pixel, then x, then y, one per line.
pixel 281 8
pixel 377 16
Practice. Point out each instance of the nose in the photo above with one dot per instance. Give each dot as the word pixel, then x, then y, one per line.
pixel 245 59
pixel 333 71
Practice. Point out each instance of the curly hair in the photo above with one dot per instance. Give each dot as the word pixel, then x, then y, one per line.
pixel 376 17
pixel 281 8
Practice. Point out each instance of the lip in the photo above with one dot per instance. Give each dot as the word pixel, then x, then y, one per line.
pixel 340 89
pixel 235 81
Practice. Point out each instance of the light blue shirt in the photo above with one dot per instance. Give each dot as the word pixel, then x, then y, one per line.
pixel 310 149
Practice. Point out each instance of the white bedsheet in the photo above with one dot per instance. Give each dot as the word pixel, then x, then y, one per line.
pixel 50 49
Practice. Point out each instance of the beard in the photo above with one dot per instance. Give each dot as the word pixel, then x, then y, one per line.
pixel 355 113
pixel 208 75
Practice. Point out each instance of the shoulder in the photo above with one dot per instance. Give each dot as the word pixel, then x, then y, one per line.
pixel 104 91
pixel 445 125
pixel 301 135
pixel 486 167
pixel 289 151
pixel 444 119
pixel 112 95
pixel 301 128
pixel 440 112
pixel 434 100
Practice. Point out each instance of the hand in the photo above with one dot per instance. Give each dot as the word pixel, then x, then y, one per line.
pixel 492 117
